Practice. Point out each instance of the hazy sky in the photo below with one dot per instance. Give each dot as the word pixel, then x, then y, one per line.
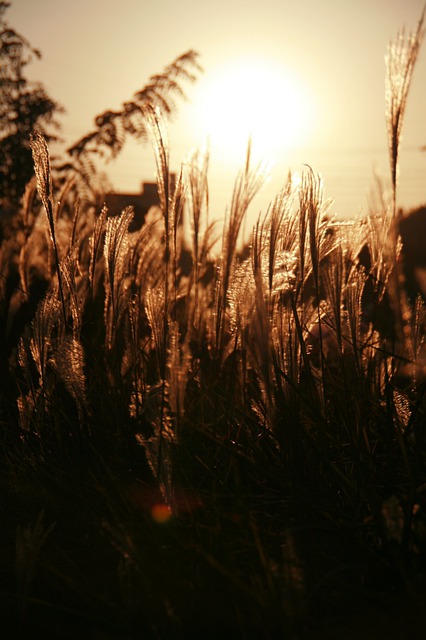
pixel 96 54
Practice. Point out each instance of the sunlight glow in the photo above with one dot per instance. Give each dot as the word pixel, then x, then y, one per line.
pixel 257 98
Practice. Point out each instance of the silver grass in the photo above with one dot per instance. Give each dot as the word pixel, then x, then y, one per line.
pixel 280 224
pixel 403 409
pixel 70 272
pixel 313 243
pixel 158 450
pixel 241 298
pixel 195 176
pixel 148 255
pixel 419 326
pixel 333 280
pixel 177 206
pixel 378 232
pixel 274 257
pixel 26 402
pixel 27 203
pixel 343 282
pixel 68 361
pixel 400 61
pixel 34 259
pixel 260 343
pixel 135 356
pixel 314 207
pixel 246 186
pixel 155 309
pixel 43 340
pixel 359 330
pixel 116 254
pixel 62 196
pixel 43 173
pixel 95 243
pixel 74 224
pixel 414 363
pixel 177 368
pixel 203 239
pixel 159 139
pixel 287 344
pixel 249 181
pixel 198 199
pixel 23 271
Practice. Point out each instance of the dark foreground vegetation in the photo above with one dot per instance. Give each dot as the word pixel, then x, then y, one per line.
pixel 200 440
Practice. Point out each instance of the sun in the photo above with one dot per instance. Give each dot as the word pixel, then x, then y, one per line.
pixel 257 99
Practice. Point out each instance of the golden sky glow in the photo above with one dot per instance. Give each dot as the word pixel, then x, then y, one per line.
pixel 327 56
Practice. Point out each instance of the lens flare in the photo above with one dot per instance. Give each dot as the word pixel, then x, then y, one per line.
pixel 161 513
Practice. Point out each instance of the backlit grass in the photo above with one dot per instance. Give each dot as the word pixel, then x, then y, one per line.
pixel 203 439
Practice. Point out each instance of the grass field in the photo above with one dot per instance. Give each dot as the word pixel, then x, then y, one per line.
pixel 207 439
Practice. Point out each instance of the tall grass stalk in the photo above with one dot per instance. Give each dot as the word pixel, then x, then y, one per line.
pixel 43 172
pixel 172 203
pixel 198 211
pixel 246 187
pixel 311 211
pixel 160 145
pixel 401 59
pixel 116 253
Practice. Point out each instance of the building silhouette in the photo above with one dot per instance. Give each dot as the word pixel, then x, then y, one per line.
pixel 141 202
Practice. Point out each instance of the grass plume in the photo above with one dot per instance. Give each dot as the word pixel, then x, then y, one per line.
pixel 401 59
pixel 43 173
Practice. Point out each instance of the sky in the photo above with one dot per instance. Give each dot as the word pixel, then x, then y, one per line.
pixel 325 58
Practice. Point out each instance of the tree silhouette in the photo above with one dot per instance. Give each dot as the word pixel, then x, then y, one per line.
pixel 112 127
pixel 24 106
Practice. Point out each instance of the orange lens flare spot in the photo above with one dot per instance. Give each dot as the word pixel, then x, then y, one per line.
pixel 161 513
